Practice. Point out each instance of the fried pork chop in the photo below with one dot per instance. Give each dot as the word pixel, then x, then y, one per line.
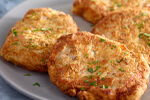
pixel 130 27
pixel 95 10
pixel 96 68
pixel 31 39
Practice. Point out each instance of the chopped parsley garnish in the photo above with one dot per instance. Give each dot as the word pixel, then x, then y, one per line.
pixel 22 20
pixel 105 86
pixel 33 13
pixel 43 60
pixel 36 84
pixel 102 40
pixel 90 70
pixel 90 76
pixel 119 5
pixel 43 29
pixel 125 27
pixel 86 55
pixel 113 46
pixel 103 78
pixel 145 21
pixel 120 60
pixel 15 32
pixel 112 9
pixel 94 84
pixel 144 14
pixel 27 46
pixel 49 29
pixel 148 35
pixel 91 25
pixel 30 42
pixel 34 46
pixel 121 69
pixel 31 39
pixel 137 16
pixel 94 62
pixel 55 32
pixel 82 89
pixel 148 44
pixel 125 53
pixel 15 43
pixel 86 81
pixel 89 63
pixel 22 32
pixel 36 30
pixel 99 73
pixel 25 28
pixel 141 25
pixel 27 75
pixel 97 68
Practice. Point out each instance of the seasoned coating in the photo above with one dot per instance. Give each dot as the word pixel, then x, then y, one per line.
pixel 130 27
pixel 95 10
pixel 31 39
pixel 95 68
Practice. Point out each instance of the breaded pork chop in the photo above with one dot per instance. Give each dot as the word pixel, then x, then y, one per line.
pixel 96 68
pixel 130 27
pixel 31 39
pixel 95 10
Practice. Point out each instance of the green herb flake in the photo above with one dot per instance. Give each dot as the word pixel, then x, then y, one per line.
pixel 148 35
pixel 36 30
pixel 125 53
pixel 25 28
pixel 97 68
pixel 119 5
pixel 43 29
pixel 113 46
pixel 120 60
pixel 90 76
pixel 34 46
pixel 145 21
pixel 141 25
pixel 83 89
pixel 103 78
pixel 137 16
pixel 94 62
pixel 22 20
pixel 102 40
pixel 105 86
pixel 27 46
pixel 144 14
pixel 99 73
pixel 49 29
pixel 30 42
pixel 90 70
pixel 15 32
pixel 148 44
pixel 15 43
pixel 43 60
pixel 27 75
pixel 55 32
pixel 86 81
pixel 30 39
pixel 36 84
pixel 33 13
pixel 94 84
pixel 22 32
pixel 121 69
pixel 112 9
pixel 91 25
pixel 125 27
pixel 86 56
pixel 89 63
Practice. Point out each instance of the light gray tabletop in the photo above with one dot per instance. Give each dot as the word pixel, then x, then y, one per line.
pixel 6 91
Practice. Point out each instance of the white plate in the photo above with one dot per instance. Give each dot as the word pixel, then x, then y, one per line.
pixel 15 75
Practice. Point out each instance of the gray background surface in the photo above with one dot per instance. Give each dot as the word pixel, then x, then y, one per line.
pixel 6 91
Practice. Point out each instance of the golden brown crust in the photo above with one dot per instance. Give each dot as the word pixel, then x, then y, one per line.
pixel 83 65
pixel 95 10
pixel 125 27
pixel 35 35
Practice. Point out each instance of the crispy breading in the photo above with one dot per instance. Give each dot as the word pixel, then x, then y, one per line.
pixel 130 27
pixel 95 10
pixel 31 39
pixel 93 67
